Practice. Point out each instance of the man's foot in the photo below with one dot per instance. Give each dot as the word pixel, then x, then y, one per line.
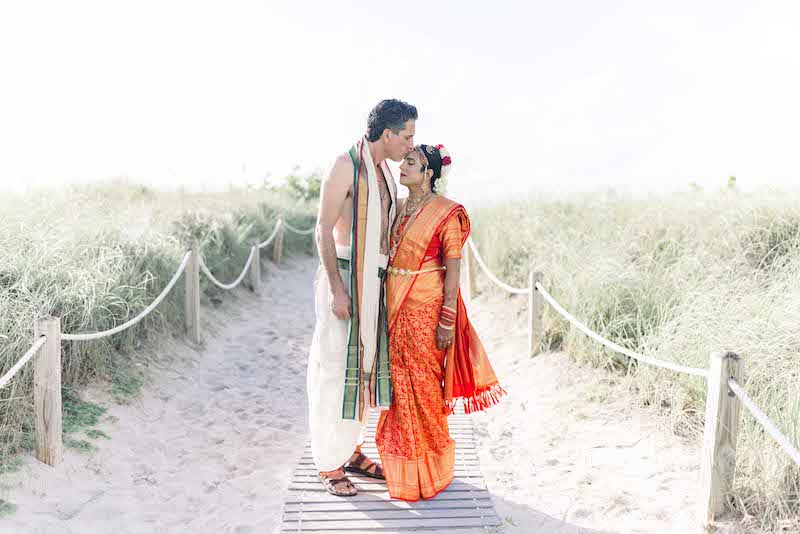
pixel 338 484
pixel 362 465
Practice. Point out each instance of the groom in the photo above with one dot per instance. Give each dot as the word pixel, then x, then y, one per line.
pixel 348 368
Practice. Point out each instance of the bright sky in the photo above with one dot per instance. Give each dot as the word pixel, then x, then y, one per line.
pixel 528 96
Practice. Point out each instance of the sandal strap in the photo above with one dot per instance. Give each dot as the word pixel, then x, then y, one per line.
pixel 360 459
pixel 333 480
pixel 366 468
pixel 359 463
pixel 331 483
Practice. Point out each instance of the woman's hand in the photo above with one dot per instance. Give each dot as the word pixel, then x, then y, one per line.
pixel 444 338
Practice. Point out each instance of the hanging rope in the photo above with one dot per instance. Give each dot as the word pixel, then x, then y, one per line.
pixel 613 346
pixel 300 232
pixel 253 252
pixel 145 312
pixel 274 233
pixel 493 278
pixel 22 361
pixel 765 421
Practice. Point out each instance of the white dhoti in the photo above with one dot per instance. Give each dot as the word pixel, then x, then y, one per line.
pixel 333 439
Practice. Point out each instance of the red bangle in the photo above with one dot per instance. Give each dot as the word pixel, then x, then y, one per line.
pixel 446 312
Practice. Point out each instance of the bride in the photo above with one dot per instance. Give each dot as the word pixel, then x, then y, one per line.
pixel 436 357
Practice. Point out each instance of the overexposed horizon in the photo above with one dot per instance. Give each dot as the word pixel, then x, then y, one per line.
pixel 529 97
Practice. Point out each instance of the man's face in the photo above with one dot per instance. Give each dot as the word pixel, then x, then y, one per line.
pixel 402 143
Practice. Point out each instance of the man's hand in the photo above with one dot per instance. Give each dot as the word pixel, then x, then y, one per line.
pixel 444 338
pixel 340 304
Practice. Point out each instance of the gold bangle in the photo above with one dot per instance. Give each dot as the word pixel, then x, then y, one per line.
pixel 443 327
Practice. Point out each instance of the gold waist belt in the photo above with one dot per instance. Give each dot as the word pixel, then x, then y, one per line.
pixel 406 272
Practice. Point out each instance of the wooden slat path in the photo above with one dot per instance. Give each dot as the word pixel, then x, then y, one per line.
pixel 465 504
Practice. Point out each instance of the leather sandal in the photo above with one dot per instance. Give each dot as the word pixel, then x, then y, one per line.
pixel 339 486
pixel 358 467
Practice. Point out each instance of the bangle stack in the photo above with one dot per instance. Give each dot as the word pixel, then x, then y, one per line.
pixel 447 319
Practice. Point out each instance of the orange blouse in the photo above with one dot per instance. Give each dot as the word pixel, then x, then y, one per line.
pixel 446 243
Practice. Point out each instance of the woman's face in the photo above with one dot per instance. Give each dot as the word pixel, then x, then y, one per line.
pixel 411 174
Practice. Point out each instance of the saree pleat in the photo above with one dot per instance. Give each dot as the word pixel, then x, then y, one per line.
pixel 413 438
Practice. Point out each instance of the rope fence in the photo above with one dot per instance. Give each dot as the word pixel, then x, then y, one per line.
pixel 253 251
pixel 613 346
pixel 272 236
pixel 765 421
pixel 492 277
pixel 142 315
pixel 22 361
pixel 722 377
pixel 46 351
pixel 300 232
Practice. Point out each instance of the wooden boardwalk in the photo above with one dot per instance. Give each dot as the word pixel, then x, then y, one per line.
pixel 465 504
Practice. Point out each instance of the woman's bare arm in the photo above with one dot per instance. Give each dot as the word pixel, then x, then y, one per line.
pixel 444 337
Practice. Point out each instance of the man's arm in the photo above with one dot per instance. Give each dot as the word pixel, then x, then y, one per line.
pixel 333 194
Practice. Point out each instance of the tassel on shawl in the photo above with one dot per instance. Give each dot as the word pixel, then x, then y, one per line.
pixel 480 400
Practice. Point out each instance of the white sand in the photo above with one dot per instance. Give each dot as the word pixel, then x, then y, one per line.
pixel 211 443
pixel 210 446
pixel 570 451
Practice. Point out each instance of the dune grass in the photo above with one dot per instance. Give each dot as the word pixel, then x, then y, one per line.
pixel 96 256
pixel 675 277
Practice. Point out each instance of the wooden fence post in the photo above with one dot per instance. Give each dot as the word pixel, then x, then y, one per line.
pixel 255 268
pixel 535 308
pixel 192 298
pixel 277 246
pixel 719 439
pixel 47 391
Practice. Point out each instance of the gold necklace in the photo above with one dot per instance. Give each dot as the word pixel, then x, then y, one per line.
pixel 407 213
pixel 409 217
pixel 416 203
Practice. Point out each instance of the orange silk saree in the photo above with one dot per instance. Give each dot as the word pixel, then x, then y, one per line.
pixel 413 439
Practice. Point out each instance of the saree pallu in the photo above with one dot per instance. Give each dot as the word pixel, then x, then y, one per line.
pixel 413 439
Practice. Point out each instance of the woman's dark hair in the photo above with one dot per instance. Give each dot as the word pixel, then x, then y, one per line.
pixel 432 160
pixel 392 114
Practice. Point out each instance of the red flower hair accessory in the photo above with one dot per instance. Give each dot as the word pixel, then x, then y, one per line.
pixel 446 160
pixel 440 186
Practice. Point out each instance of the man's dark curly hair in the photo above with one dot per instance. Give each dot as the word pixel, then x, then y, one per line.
pixel 391 114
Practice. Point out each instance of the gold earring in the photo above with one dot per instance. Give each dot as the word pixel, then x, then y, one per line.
pixel 424 188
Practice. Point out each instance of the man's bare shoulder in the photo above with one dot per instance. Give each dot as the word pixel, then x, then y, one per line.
pixel 342 167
